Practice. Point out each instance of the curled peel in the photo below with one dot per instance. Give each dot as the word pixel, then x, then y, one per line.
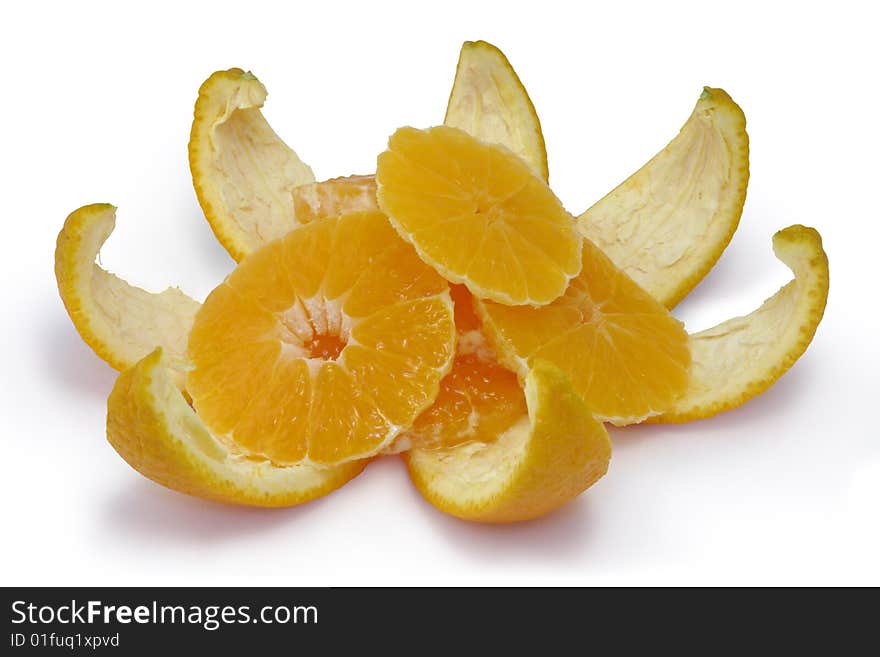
pixel 544 460
pixel 152 427
pixel 120 322
pixel 489 102
pixel 242 171
pixel 742 357
pixel 668 223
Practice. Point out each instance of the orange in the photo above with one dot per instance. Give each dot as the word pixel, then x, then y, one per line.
pixel 479 215
pixel 334 197
pixel 623 351
pixel 479 399
pixel 322 346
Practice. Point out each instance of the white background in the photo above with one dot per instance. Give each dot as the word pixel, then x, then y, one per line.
pixel 96 106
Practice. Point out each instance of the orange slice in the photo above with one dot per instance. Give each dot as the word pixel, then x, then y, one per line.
pixel 151 426
pixel 243 172
pixel 742 357
pixel 322 346
pixel 334 197
pixel 489 101
pixel 479 215
pixel 479 399
pixel 625 354
pixel 668 223
pixel 545 459
pixel 120 322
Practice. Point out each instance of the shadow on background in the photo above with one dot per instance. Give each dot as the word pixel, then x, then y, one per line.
pixel 145 512
pixel 71 362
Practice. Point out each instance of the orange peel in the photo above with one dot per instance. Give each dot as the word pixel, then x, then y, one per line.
pixel 120 322
pixel 242 171
pixel 742 357
pixel 151 426
pixel 546 459
pixel 668 223
pixel 489 101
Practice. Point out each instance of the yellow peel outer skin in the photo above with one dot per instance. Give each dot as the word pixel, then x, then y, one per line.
pixel 742 357
pixel 243 173
pixel 489 101
pixel 668 223
pixel 152 427
pixel 120 322
pixel 542 462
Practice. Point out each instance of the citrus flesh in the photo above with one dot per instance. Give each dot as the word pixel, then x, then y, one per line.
pixel 322 346
pixel 334 197
pixel 478 215
pixel 242 171
pixel 478 400
pixel 151 426
pixel 668 223
pixel 742 357
pixel 489 101
pixel 625 354
pixel 544 460
pixel 120 322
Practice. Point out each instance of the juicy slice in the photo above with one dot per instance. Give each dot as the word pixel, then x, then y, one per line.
pixel 478 215
pixel 152 427
pixel 479 399
pixel 668 223
pixel 489 101
pixel 243 173
pixel 322 346
pixel 334 197
pixel 120 322
pixel 742 357
pixel 622 350
pixel 547 458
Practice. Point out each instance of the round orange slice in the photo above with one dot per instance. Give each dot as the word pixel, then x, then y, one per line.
pixel 625 354
pixel 322 346
pixel 479 215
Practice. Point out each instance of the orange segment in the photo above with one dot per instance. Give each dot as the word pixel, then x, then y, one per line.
pixel 478 215
pixel 479 399
pixel 323 345
pixel 623 351
pixel 334 197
